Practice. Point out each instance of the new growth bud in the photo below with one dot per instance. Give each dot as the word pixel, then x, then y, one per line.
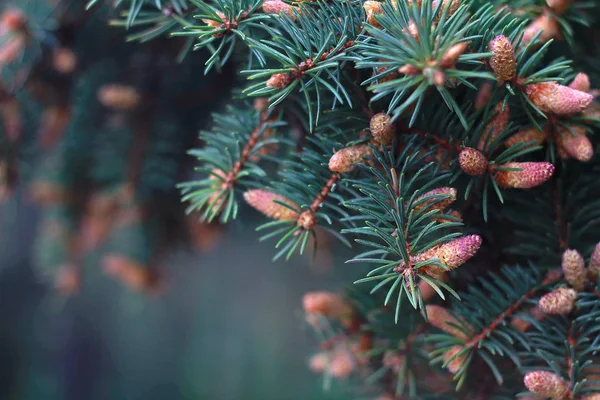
pixel 472 161
pixel 528 175
pixel 344 160
pixel 546 384
pixel 264 201
pixel 573 267
pixel 550 97
pixel 558 302
pixel 503 62
pixel 440 318
pixel 382 128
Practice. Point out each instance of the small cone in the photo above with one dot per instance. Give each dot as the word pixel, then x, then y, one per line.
pixel 327 304
pixel 503 62
pixel 581 83
pixel 594 266
pixel 372 8
pixel 280 80
pixel 495 127
pixel 472 161
pixel 382 128
pixel 558 302
pixel 528 135
pixel 437 203
pixel 451 56
pixel 546 384
pixel 307 220
pixel 573 267
pixel 454 365
pixel 264 201
pixel 531 174
pixel 550 97
pixel 279 7
pixel 559 6
pixel 576 146
pixel 452 254
pixel 546 24
pixel 344 160
pixel 440 318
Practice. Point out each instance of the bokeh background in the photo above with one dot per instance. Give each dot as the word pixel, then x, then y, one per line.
pixel 228 327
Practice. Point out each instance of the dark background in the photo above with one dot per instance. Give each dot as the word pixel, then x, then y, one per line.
pixel 229 327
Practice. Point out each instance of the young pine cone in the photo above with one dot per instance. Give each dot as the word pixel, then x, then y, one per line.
pixel 280 80
pixel 382 128
pixel 440 318
pixel 573 267
pixel 279 7
pixel 558 302
pixel 495 127
pixel 344 160
pixel 452 254
pixel 530 174
pixel 439 204
pixel 594 266
pixel 546 24
pixel 503 62
pixel 577 146
pixel 550 97
pixel 532 134
pixel 472 161
pixel 581 83
pixel 546 384
pixel 454 365
pixel 264 201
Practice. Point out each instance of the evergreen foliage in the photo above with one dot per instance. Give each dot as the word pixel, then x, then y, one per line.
pixel 369 121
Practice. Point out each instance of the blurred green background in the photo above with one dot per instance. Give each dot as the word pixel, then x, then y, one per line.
pixel 229 327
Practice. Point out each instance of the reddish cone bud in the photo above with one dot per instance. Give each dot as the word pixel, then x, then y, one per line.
pixel 581 83
pixel 495 127
pixel 546 24
pixel 440 318
pixel 437 203
pixel 451 56
pixel 528 135
pixel 450 5
pixel 546 384
pixel 279 7
pixel 558 302
pixel 550 97
pixel 382 128
pixel 577 146
pixel 472 161
pixel 327 304
pixel 503 62
pixel 372 8
pixel 573 267
pixel 452 254
pixel 280 80
pixel 264 201
pixel 530 174
pixel 594 266
pixel 457 362
pixel 344 160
